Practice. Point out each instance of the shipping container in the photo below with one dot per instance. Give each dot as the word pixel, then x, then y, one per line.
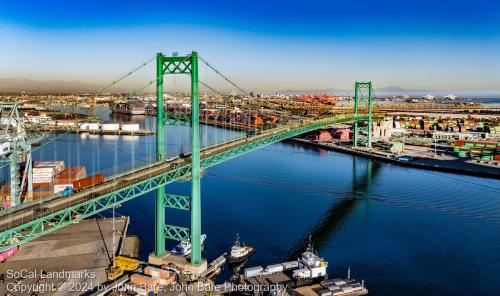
pixel 88 182
pixel 253 271
pixel 157 272
pixel 290 265
pixel 274 268
pixel 8 253
pixel 71 174
pixel 42 185
pixel 142 280
pixel 60 187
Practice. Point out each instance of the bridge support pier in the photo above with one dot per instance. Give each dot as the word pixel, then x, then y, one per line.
pixel 195 165
pixel 357 100
pixel 179 65
pixel 160 155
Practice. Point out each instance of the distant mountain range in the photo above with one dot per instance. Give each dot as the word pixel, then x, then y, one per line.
pixel 49 86
pixel 66 86
pixel 398 91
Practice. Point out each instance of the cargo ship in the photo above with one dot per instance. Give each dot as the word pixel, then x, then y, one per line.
pixel 132 106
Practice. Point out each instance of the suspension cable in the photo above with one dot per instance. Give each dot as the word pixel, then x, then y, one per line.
pixel 221 75
pixel 124 76
pixel 209 87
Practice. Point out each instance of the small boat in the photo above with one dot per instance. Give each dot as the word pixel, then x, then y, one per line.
pixel 184 247
pixel 239 252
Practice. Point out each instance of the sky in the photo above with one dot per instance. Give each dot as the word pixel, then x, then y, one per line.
pixel 261 45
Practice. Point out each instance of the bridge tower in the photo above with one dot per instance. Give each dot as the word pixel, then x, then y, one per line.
pixel 358 100
pixel 174 65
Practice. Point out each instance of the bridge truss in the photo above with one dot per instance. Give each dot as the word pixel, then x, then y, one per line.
pixel 49 223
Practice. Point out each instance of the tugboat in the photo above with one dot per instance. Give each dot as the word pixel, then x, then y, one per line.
pixel 239 252
pixel 184 247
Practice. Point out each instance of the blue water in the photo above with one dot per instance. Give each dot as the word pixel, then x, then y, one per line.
pixel 404 231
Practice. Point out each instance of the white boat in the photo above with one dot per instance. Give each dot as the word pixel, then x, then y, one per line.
pixel 184 247
pixel 239 252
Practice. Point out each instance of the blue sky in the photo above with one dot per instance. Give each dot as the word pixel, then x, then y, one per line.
pixel 268 45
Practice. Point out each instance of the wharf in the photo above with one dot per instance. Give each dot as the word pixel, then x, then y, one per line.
pixel 56 130
pixel 278 278
pixel 78 254
pixel 315 290
pixel 439 163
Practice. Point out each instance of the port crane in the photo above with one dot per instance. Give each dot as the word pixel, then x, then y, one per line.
pixel 16 142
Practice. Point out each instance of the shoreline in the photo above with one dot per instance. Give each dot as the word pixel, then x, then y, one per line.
pixel 470 169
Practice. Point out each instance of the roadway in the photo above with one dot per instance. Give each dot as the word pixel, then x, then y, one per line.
pixel 23 214
pixel 27 222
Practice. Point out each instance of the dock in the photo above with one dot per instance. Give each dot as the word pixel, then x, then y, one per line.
pixel 77 255
pixel 58 129
pixel 214 266
pixel 428 163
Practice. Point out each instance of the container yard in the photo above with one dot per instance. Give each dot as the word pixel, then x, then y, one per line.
pixel 53 179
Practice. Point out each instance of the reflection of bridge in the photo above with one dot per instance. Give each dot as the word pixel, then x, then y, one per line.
pixel 27 222
pixel 335 216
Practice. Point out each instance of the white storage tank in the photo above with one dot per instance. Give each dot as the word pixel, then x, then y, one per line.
pixel 110 126
pixel 130 127
pixel 93 126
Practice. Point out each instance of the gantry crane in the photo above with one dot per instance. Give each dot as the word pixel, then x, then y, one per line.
pixel 16 142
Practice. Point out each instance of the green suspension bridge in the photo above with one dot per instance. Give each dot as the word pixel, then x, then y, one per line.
pixel 24 223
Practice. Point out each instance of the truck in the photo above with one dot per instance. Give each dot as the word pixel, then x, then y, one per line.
pixel 88 182
pixel 67 191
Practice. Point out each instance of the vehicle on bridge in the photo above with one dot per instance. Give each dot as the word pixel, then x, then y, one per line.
pixel 67 191
pixel 88 182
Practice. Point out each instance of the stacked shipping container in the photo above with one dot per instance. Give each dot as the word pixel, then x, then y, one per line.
pixel 66 177
pixel 478 150
pixel 44 173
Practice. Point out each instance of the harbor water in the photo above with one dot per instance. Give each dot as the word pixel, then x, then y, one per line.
pixel 404 231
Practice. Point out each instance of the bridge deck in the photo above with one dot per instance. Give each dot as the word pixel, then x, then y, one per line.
pixel 26 223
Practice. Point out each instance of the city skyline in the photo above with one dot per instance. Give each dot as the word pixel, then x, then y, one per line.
pixel 262 46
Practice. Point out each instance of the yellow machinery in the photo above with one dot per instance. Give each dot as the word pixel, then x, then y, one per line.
pixel 114 272
pixel 126 263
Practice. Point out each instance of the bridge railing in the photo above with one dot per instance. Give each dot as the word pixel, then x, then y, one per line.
pixel 123 192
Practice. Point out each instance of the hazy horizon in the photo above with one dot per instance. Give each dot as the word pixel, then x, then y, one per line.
pixel 262 46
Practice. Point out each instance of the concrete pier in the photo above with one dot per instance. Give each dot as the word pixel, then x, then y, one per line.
pixel 73 258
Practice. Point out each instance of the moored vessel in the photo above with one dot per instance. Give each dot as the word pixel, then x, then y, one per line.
pixel 184 247
pixel 239 252
pixel 132 106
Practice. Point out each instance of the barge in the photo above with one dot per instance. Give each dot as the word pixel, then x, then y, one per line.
pixel 307 276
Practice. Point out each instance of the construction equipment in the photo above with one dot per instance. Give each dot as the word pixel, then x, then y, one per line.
pixel 126 263
pixel 114 272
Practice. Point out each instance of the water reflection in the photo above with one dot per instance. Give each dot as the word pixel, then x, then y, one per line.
pixel 335 216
